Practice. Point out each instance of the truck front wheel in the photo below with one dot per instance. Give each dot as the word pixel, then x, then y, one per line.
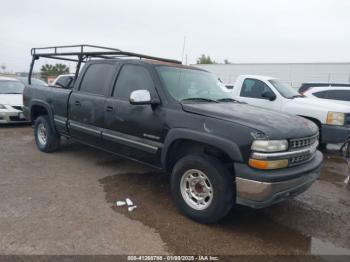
pixel 202 188
pixel 46 138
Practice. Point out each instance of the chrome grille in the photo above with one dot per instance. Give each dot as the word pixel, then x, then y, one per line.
pixel 299 159
pixel 302 142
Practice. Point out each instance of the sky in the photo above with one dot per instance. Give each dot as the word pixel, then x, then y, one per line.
pixel 242 31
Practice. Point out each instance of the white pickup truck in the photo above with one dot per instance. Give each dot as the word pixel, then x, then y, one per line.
pixel 333 119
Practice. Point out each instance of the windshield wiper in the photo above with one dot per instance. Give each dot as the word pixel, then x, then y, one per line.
pixel 199 99
pixel 12 93
pixel 227 99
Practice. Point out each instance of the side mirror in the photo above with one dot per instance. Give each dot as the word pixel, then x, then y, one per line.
pixel 269 95
pixel 142 97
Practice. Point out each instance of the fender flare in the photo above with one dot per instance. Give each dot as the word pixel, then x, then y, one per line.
pixel 47 108
pixel 229 147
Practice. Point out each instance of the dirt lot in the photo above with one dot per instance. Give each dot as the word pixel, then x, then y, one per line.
pixel 63 203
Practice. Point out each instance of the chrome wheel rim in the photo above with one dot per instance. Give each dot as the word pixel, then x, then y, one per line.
pixel 41 134
pixel 196 189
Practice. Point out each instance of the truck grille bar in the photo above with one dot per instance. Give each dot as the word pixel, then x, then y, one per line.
pixel 302 142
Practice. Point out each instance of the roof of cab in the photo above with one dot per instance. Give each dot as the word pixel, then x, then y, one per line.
pixel 326 88
pixel 149 61
pixel 266 78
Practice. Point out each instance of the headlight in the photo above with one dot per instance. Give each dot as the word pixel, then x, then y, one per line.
pixel 335 118
pixel 270 145
pixel 2 107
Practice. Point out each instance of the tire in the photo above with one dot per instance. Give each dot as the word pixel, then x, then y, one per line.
pixel 322 146
pixel 221 182
pixel 46 138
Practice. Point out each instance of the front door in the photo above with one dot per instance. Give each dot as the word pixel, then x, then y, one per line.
pixel 252 93
pixel 133 130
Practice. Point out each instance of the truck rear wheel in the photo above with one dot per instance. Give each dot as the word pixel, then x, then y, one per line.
pixel 202 188
pixel 46 138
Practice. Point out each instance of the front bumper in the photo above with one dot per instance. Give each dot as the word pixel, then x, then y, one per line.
pixel 334 134
pixel 258 189
pixel 12 117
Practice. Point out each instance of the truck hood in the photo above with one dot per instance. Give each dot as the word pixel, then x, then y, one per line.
pixel 274 124
pixel 321 104
pixel 11 99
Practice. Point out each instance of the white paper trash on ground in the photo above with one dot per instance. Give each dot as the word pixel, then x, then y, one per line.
pixel 129 202
pixel 130 209
pixel 120 203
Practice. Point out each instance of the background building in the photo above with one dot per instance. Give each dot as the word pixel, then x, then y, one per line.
pixel 291 73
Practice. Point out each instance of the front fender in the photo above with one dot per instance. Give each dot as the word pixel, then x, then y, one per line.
pixel 228 146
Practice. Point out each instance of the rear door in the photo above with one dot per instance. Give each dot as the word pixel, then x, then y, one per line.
pixel 133 130
pixel 86 104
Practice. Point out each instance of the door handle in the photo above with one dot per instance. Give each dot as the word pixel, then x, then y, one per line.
pixel 77 103
pixel 109 109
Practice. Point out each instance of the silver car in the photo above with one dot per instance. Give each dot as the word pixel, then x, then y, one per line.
pixel 11 100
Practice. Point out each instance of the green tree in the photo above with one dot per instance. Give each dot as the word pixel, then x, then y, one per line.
pixel 227 62
pixel 203 59
pixel 62 69
pixel 53 70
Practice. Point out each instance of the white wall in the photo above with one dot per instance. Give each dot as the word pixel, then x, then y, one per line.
pixel 294 73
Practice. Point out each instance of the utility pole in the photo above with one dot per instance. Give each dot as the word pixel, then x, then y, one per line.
pixel 183 49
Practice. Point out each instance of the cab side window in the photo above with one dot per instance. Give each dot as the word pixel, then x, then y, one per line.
pixel 254 88
pixel 321 94
pixel 341 95
pixel 96 79
pixel 131 78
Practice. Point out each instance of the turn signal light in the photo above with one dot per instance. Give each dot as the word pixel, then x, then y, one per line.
pixel 265 165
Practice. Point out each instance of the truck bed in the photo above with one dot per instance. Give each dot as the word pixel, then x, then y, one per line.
pixel 54 98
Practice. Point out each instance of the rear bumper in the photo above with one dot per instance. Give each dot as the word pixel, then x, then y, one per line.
pixel 334 134
pixel 12 117
pixel 284 184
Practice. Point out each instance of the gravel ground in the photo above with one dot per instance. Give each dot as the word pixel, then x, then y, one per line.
pixel 63 203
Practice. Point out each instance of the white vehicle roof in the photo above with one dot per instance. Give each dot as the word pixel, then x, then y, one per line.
pixel 266 78
pixel 8 78
pixel 325 88
pixel 65 75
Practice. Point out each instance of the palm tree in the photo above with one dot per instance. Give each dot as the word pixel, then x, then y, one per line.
pixel 47 70
pixel 53 70
pixel 61 69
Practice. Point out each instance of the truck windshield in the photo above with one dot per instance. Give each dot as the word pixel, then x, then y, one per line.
pixel 11 87
pixel 285 90
pixel 193 85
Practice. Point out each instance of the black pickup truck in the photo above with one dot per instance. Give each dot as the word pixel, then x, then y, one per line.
pixel 219 152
